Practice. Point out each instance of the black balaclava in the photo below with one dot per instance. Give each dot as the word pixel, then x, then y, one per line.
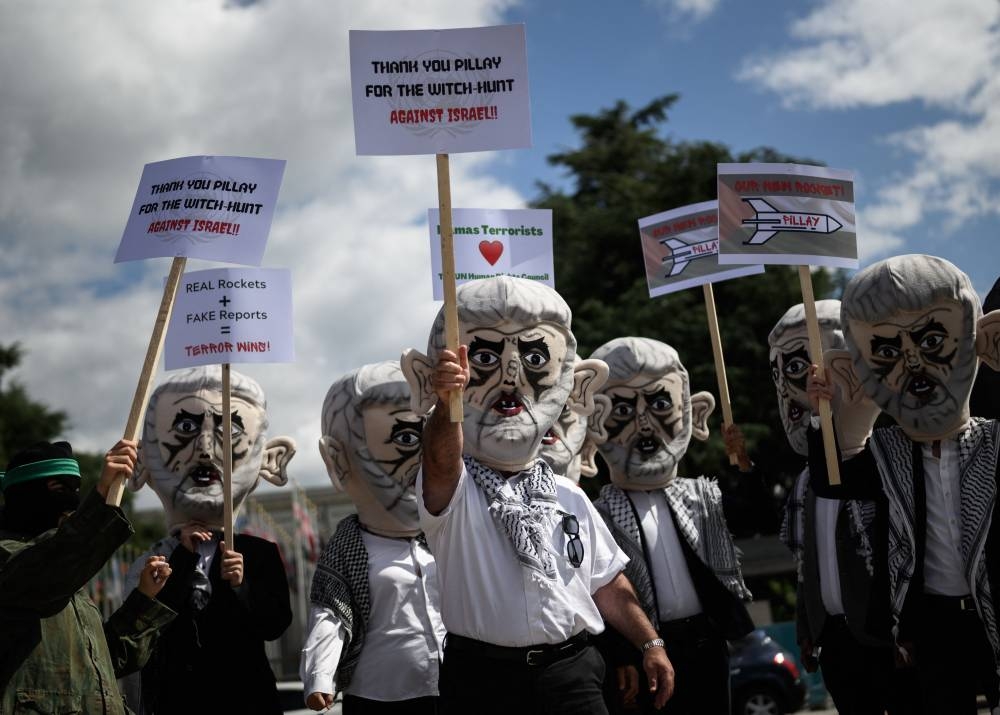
pixel 31 506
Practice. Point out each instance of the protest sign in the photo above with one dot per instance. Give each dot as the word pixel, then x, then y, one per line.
pixel 680 249
pixel 440 91
pixel 787 214
pixel 227 315
pixel 791 214
pixel 218 208
pixel 494 242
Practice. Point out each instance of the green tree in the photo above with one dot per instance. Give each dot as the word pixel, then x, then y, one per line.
pixel 623 170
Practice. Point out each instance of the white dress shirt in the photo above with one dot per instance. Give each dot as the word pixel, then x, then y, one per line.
pixel 827 511
pixel 944 567
pixel 403 644
pixel 675 593
pixel 485 592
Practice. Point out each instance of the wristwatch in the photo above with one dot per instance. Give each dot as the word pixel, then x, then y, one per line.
pixel 654 643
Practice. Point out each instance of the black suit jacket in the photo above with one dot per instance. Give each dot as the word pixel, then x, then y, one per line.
pixel 213 660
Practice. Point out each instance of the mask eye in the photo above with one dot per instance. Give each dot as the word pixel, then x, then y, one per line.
pixel 485 358
pixel 796 368
pixel 661 404
pixel 407 438
pixel 187 426
pixel 931 342
pixel 622 410
pixel 534 359
pixel 886 352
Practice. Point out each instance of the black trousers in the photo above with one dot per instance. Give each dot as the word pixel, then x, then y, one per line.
pixel 700 656
pixel 858 677
pixel 474 683
pixel 354 705
pixel 953 657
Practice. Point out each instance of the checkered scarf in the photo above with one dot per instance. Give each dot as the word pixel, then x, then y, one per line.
pixel 861 515
pixel 978 451
pixel 697 508
pixel 340 583
pixel 524 513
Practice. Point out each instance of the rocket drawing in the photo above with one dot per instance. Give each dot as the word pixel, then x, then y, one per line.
pixel 683 253
pixel 770 221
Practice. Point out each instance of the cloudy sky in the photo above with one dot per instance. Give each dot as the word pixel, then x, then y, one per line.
pixel 904 92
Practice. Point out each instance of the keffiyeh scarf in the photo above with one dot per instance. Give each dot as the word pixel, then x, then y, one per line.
pixel 525 513
pixel 697 508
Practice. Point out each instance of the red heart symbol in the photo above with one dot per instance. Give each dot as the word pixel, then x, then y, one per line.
pixel 491 250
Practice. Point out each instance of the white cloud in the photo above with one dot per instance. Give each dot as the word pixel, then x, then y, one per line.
pixel 93 93
pixel 693 10
pixel 941 53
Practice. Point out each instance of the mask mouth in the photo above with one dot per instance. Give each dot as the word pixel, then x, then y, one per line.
pixel 795 411
pixel 921 387
pixel 203 475
pixel 508 405
pixel 647 446
pixel 550 438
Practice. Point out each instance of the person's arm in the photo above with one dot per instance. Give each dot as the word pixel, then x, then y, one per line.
pixel 617 602
pixel 42 575
pixel 442 438
pixel 321 655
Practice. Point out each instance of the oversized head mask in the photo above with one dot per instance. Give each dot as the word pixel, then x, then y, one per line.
pixel 562 444
pixel 790 363
pixel 371 446
pixel 522 365
pixel 915 333
pixel 181 451
pixel 651 414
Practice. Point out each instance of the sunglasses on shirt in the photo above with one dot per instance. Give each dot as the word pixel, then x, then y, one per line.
pixel 574 547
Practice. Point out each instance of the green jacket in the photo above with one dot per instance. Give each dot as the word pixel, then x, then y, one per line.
pixel 56 654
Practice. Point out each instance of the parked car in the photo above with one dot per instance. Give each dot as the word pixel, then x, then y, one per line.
pixel 764 678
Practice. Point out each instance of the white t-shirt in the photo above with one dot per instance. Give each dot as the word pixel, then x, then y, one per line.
pixel 485 592
pixel 944 566
pixel 676 596
pixel 403 645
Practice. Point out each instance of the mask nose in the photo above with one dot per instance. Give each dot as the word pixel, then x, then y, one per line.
pixel 206 438
pixel 512 367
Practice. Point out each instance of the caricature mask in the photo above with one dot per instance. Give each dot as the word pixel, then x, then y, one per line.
pixel 790 362
pixel 371 446
pixel 652 414
pixel 564 441
pixel 913 327
pixel 181 449
pixel 521 360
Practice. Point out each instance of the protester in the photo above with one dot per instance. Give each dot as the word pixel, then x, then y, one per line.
pixel 527 568
pixel 676 527
pixel 375 630
pixel 841 613
pixel 55 653
pixel 985 399
pixel 562 445
pixel 915 333
pixel 230 597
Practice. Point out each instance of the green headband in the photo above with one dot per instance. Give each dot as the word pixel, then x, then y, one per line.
pixel 64 467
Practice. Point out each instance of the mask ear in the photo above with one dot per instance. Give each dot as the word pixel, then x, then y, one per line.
pixel 702 405
pixel 137 480
pixel 418 369
pixel 588 459
pixel 597 432
pixel 335 458
pixel 589 376
pixel 278 452
pixel 841 373
pixel 988 339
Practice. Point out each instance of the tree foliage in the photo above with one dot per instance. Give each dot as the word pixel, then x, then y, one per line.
pixel 624 169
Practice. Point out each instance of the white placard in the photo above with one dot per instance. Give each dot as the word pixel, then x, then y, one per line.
pixel 680 249
pixel 231 315
pixel 787 214
pixel 495 242
pixel 440 91
pixel 218 208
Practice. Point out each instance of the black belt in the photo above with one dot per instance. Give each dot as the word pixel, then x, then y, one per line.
pixel 533 655
pixel 949 603
pixel 683 627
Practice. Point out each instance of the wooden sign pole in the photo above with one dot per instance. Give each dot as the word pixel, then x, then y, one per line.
pixel 816 356
pixel 448 274
pixel 153 351
pixel 227 459
pixel 720 363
